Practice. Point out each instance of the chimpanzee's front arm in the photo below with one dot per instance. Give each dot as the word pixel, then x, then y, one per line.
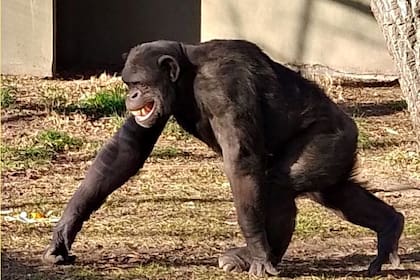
pixel 118 160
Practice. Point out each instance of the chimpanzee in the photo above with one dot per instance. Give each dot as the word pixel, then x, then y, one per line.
pixel 279 135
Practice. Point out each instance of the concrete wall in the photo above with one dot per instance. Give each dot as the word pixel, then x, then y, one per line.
pixel 95 33
pixel 340 33
pixel 27 37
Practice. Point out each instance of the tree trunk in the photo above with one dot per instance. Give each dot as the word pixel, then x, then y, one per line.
pixel 399 21
pixel 319 73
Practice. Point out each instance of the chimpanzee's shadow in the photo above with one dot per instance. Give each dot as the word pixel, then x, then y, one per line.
pixel 352 265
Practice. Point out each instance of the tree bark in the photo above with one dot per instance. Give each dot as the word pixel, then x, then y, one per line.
pixel 399 21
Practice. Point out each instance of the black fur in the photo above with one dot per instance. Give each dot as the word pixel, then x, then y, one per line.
pixel 278 133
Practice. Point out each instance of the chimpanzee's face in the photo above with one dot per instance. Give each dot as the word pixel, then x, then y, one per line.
pixel 150 75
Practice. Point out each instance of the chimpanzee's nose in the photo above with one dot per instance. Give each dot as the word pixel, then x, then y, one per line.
pixel 134 94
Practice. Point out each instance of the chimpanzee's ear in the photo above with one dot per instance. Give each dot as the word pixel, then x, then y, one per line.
pixel 172 64
pixel 124 56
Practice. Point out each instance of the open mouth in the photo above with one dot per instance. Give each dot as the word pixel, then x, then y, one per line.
pixel 144 112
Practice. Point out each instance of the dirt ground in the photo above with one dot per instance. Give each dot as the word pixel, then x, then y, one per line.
pixel 175 217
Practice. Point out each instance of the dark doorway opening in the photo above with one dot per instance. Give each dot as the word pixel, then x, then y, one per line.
pixel 92 35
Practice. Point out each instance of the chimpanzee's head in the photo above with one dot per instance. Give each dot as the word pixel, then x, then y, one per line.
pixel 151 72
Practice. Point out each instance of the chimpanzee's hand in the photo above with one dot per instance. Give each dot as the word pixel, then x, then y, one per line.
pixel 64 233
pixel 260 268
pixel 57 254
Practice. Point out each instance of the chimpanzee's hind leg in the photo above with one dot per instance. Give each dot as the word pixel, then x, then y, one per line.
pixel 360 207
pixel 280 225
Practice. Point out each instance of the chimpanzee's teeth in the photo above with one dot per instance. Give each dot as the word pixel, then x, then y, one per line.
pixel 143 112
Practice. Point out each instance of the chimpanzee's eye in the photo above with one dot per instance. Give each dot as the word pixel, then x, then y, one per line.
pixel 134 84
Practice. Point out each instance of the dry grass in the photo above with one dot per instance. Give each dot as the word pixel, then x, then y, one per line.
pixel 175 217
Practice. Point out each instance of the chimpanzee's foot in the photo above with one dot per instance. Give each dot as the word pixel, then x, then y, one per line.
pixel 239 260
pixel 57 255
pixel 261 268
pixel 388 246
pixel 235 259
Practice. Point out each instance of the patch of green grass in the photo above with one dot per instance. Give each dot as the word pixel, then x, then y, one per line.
pixel 7 97
pixel 314 220
pixel 368 141
pixel 57 141
pixel 104 103
pixel 412 228
pixel 398 105
pixel 54 99
pixel 40 149
pixel 364 140
pixel 147 271
pixel 23 157
pixel 166 152
pixel 403 158
pixel 85 273
pixel 173 130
